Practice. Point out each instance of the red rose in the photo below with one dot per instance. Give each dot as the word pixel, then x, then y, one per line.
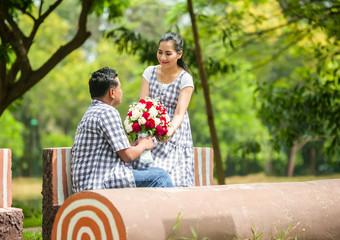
pixel 146 115
pixel 130 114
pixel 150 123
pixel 165 130
pixel 136 127
pixel 142 101
pixel 160 109
pixel 159 130
pixel 149 104
pixel 163 119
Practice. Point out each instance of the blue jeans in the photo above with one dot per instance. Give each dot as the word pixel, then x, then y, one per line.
pixel 152 177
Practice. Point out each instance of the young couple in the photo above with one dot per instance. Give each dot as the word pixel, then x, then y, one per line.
pixel 102 156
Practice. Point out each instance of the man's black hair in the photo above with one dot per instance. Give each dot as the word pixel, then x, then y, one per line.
pixel 101 81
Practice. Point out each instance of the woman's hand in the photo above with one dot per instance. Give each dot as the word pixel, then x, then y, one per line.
pixel 171 131
pixel 162 139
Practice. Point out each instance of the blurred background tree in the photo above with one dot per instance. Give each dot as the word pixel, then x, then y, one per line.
pixel 272 70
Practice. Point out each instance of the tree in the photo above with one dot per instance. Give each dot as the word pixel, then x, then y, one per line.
pixel 17 74
pixel 304 106
pixel 247 30
pixel 205 86
pixel 306 110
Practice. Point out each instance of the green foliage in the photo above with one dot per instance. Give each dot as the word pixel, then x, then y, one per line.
pixel 25 5
pixel 59 100
pixel 322 14
pixel 11 132
pixel 56 140
pixel 5 49
pixel 297 95
pixel 114 8
pixel 309 106
pixel 132 43
pixel 11 137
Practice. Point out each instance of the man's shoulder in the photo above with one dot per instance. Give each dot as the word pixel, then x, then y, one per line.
pixel 100 109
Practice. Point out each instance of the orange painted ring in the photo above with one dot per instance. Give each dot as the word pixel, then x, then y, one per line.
pixel 88 214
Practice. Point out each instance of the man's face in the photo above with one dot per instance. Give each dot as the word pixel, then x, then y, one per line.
pixel 118 93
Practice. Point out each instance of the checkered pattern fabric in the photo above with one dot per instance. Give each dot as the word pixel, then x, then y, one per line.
pixel 176 155
pixel 95 162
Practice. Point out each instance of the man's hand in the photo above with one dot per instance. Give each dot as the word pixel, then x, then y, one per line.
pixel 147 142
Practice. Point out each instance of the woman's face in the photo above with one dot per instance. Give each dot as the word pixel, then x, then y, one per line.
pixel 167 55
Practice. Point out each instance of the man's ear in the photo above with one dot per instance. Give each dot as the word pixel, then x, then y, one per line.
pixel 112 93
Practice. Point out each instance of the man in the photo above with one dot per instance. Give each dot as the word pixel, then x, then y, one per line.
pixel 102 154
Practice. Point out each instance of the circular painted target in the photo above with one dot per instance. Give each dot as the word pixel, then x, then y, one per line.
pixel 88 216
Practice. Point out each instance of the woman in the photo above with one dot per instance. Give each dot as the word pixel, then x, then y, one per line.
pixel 173 85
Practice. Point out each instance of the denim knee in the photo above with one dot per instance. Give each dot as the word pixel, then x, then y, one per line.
pixel 165 178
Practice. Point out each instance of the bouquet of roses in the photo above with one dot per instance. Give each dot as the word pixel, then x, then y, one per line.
pixel 146 118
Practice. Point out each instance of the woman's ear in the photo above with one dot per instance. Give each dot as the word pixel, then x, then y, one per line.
pixel 180 54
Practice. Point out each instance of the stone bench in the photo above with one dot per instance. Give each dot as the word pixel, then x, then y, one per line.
pixel 57 186
pixel 11 219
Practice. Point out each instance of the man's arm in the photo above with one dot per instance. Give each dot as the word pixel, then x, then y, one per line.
pixel 130 154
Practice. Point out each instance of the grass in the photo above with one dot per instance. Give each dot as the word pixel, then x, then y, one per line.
pixel 32 235
pixel 26 194
pixel 26 188
pixel 262 178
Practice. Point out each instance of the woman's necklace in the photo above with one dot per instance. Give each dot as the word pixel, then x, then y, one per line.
pixel 165 80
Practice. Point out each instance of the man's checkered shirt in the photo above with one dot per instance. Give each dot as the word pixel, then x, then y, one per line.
pixel 95 163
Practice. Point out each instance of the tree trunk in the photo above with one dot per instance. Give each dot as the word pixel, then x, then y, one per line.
pixel 292 153
pixel 270 165
pixel 10 89
pixel 312 160
pixel 291 160
pixel 205 86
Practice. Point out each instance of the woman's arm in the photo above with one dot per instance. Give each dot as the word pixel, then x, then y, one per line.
pixel 130 154
pixel 144 89
pixel 182 105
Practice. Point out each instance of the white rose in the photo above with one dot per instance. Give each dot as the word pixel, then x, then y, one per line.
pixel 136 114
pixel 140 106
pixel 153 112
pixel 126 122
pixel 128 128
pixel 141 121
pixel 131 108
pixel 157 121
